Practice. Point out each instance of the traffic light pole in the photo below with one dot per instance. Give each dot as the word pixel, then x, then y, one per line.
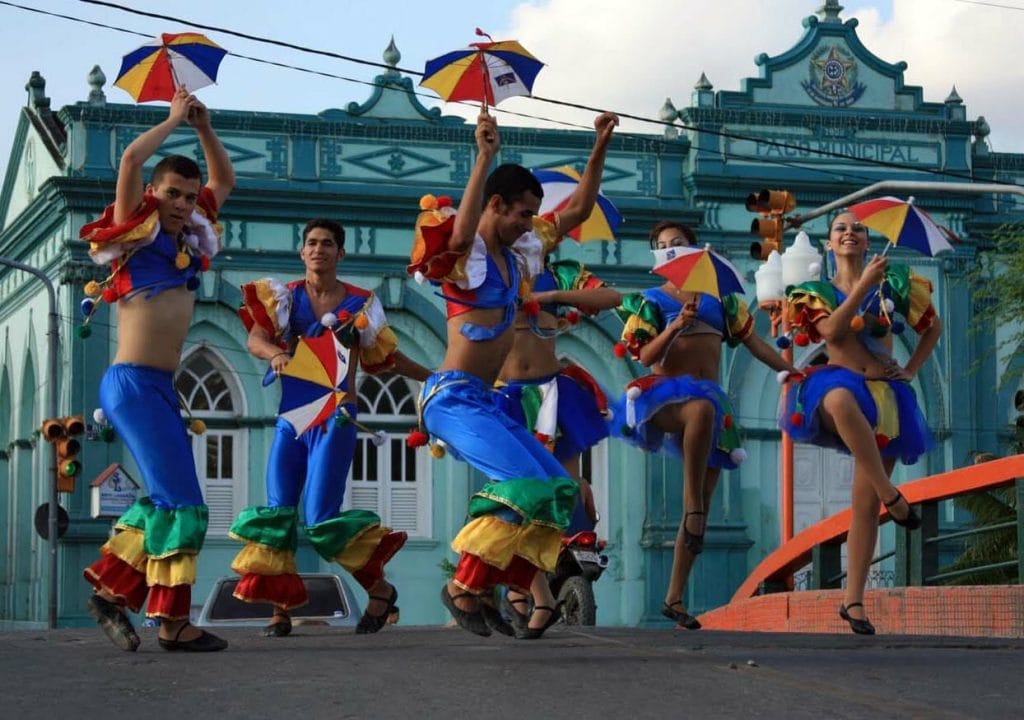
pixel 907 186
pixel 51 397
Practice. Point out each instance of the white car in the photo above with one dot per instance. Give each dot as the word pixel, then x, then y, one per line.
pixel 331 602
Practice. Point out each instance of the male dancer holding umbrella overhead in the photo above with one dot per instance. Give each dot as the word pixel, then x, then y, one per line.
pixel 158 237
pixel 313 463
pixel 483 257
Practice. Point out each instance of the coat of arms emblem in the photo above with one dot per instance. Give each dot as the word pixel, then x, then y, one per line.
pixel 833 77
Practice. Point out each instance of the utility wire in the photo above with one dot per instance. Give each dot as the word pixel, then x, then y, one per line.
pixel 560 103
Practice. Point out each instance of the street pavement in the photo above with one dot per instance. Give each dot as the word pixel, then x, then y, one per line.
pixel 434 672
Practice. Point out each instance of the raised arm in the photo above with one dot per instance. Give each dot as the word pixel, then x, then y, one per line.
pixel 130 187
pixel 472 205
pixel 220 174
pixel 584 196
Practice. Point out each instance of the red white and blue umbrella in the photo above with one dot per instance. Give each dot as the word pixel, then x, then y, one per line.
pixel 486 72
pixel 904 224
pixel 157 69
pixel 697 269
pixel 559 184
pixel 311 381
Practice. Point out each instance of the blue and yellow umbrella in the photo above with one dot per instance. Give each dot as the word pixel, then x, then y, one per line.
pixel 157 69
pixel 559 184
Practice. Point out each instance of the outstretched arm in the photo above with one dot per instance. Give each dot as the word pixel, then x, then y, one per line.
pixel 584 196
pixel 593 299
pixel 766 354
pixel 221 175
pixel 409 368
pixel 129 190
pixel 471 207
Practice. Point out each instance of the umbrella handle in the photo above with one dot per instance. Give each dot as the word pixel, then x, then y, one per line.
pixel 486 85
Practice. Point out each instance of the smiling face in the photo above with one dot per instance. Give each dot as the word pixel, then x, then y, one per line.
pixel 320 251
pixel 848 236
pixel 513 220
pixel 176 197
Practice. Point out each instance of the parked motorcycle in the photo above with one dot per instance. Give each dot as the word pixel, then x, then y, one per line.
pixel 580 564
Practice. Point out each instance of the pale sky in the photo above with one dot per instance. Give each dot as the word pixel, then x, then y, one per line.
pixel 624 55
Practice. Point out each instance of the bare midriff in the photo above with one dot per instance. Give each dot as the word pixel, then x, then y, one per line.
pixel 483 358
pixel 850 353
pixel 697 355
pixel 532 356
pixel 152 331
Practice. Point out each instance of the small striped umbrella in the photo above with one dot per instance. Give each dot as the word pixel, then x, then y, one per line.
pixel 698 270
pixel 559 184
pixel 904 224
pixel 156 70
pixel 311 382
pixel 487 72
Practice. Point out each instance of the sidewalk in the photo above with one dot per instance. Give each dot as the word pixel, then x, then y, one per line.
pixel 599 673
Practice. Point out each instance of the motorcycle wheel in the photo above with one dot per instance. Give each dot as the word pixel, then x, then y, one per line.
pixel 578 604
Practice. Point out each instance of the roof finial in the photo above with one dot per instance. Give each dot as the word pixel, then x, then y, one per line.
pixel 391 55
pixel 830 10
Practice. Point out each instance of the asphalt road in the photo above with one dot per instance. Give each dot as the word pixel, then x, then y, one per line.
pixel 321 672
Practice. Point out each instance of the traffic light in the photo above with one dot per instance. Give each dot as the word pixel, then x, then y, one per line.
pixel 62 432
pixel 772 204
pixel 68 464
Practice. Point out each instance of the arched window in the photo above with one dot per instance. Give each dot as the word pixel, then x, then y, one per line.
pixel 390 479
pixel 211 393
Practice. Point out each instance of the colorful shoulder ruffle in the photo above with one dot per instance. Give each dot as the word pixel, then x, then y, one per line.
pixel 642 322
pixel 912 297
pixel 808 303
pixel 266 302
pixel 738 321
pixel 109 241
pixel 573 275
pixel 377 341
pixel 431 259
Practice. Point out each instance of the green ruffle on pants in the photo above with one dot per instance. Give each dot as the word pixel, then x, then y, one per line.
pixel 167 532
pixel 332 537
pixel 543 502
pixel 275 527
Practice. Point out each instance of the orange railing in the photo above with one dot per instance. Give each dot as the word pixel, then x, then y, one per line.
pixel 780 565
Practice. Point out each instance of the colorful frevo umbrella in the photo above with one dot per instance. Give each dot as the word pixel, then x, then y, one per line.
pixel 157 69
pixel 311 382
pixel 559 185
pixel 904 224
pixel 487 72
pixel 697 269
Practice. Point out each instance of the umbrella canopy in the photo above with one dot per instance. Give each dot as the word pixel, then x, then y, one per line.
pixel 157 69
pixel 698 270
pixel 559 185
pixel 904 224
pixel 311 381
pixel 487 72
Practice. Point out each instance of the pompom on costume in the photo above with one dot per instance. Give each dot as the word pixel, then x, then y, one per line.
pixel 645 316
pixel 158 539
pixel 890 406
pixel 313 466
pixel 518 518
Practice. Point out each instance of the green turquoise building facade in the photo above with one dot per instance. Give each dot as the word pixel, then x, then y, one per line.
pixel 823 119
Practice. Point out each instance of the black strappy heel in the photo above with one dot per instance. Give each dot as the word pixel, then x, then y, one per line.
pixel 912 521
pixel 694 542
pixel 861 627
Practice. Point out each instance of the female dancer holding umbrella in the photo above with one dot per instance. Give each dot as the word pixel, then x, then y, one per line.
pixel 861 402
pixel 680 408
